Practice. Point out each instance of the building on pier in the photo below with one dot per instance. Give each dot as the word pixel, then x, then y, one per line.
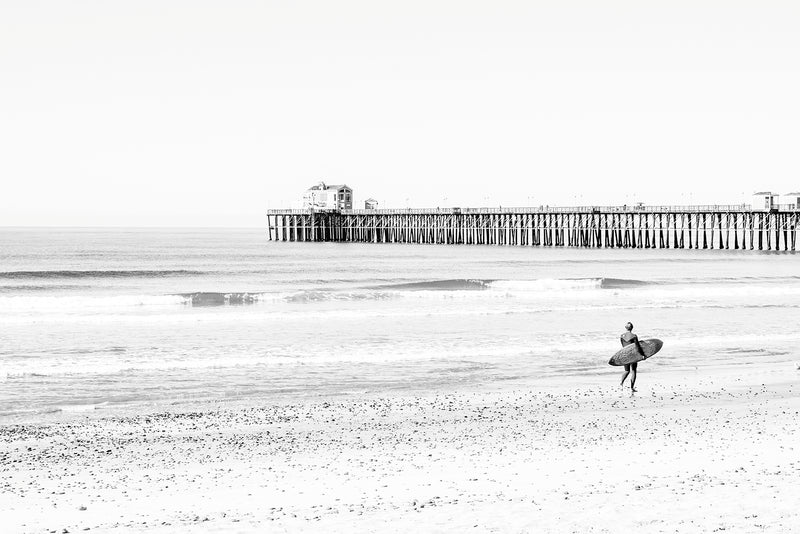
pixel 791 201
pixel 764 201
pixel 328 197
pixel 370 204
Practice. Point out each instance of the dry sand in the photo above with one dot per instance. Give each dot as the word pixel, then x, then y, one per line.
pixel 694 452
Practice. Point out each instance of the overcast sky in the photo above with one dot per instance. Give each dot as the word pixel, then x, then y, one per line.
pixel 197 113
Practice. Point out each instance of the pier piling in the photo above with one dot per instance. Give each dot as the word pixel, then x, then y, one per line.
pixel 651 227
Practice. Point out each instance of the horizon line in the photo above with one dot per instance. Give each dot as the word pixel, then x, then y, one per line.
pixel 120 227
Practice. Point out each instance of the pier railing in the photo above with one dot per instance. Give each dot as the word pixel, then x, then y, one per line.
pixel 559 209
pixel 635 208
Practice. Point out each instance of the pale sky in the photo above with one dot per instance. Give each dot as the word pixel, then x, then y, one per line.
pixel 200 113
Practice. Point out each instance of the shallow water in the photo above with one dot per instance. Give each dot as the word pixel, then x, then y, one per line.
pixel 115 318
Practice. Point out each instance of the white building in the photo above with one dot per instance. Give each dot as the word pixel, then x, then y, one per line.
pixel 790 201
pixel 370 204
pixel 328 197
pixel 764 201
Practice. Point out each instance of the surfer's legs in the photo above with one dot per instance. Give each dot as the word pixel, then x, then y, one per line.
pixel 633 374
pixel 625 373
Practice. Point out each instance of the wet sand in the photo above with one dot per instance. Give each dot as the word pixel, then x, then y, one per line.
pixel 692 452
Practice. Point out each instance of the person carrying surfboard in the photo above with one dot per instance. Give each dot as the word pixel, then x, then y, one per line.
pixel 629 338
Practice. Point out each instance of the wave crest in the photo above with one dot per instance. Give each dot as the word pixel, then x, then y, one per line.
pixel 456 284
pixel 430 289
pixel 542 284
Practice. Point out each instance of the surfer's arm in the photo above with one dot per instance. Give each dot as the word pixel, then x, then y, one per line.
pixel 638 346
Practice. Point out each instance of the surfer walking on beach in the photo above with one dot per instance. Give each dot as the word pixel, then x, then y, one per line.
pixel 628 338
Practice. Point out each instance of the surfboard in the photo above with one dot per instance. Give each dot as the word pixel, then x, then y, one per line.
pixel 629 354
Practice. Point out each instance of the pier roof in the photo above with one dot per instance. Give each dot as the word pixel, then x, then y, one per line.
pixel 322 185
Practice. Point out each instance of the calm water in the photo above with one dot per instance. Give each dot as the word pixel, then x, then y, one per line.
pixel 112 319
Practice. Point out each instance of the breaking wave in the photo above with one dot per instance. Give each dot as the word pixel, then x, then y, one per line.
pixel 469 284
pixel 450 288
pixel 206 298
pixel 621 283
pixel 464 284
pixel 540 290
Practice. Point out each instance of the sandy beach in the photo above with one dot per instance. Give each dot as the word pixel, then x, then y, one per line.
pixel 368 267
pixel 690 452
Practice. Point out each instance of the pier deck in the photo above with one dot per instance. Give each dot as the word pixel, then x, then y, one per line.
pixel 691 227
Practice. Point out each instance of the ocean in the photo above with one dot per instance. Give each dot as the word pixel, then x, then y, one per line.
pixel 113 320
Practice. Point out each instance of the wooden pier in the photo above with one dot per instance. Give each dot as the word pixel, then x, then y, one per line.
pixel 690 227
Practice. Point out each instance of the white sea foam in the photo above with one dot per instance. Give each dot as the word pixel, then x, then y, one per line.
pixel 598 346
pixel 309 356
pixel 91 304
pixel 80 408
pixel 87 304
pixel 545 285
pixel 548 289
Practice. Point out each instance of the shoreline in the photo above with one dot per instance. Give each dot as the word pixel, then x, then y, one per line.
pixel 681 455
pixel 602 377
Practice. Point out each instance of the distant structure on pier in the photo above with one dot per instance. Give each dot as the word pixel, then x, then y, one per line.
pixel 791 200
pixel 370 204
pixel 769 201
pixel 328 197
pixel 764 201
